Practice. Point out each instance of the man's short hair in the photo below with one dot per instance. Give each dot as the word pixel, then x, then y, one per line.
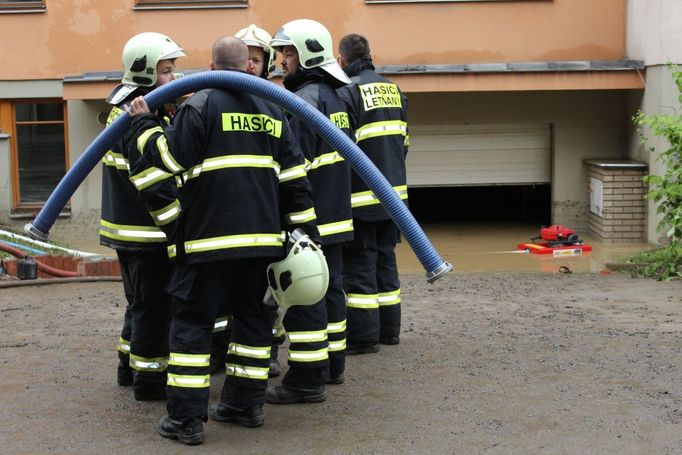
pixel 230 53
pixel 353 47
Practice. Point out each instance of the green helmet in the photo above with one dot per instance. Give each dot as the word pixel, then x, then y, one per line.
pixel 257 37
pixel 313 43
pixel 141 54
pixel 302 277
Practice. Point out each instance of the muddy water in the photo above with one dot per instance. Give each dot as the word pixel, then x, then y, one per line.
pixel 493 248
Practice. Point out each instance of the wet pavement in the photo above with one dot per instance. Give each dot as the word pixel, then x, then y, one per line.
pixel 492 247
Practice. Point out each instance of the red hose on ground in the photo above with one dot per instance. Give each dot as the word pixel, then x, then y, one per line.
pixel 42 267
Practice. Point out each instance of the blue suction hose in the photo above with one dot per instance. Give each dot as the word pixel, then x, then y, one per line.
pixel 434 265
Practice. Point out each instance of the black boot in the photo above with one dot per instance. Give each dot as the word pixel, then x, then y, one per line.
pixel 190 432
pixel 250 417
pixel 284 395
pixel 124 375
pixel 362 348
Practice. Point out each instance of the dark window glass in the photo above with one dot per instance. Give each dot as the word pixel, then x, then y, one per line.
pixel 39 112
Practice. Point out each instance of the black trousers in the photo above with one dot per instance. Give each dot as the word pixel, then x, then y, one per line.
pixel 198 292
pixel 147 316
pixel 371 281
pixel 317 333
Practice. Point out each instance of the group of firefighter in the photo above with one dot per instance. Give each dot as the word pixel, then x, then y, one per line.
pixel 218 210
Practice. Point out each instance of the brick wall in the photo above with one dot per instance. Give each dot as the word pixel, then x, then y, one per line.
pixel 623 216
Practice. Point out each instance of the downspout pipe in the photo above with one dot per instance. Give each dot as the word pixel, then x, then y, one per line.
pixel 434 265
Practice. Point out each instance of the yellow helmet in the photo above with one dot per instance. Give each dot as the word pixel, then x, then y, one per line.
pixel 141 54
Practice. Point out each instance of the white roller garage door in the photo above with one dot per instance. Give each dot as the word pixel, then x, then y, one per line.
pixel 478 155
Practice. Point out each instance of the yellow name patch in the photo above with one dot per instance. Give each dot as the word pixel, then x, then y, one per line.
pixel 340 119
pixel 254 123
pixel 380 95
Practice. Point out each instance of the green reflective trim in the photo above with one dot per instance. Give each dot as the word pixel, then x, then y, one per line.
pixel 220 324
pixel 144 137
pixel 384 128
pixel 116 160
pixel 363 301
pixel 199 381
pixel 230 241
pixel 364 198
pixel 335 228
pixel 278 331
pixel 252 123
pixel 324 160
pixel 167 214
pixel 337 345
pixel 308 337
pixel 406 142
pixel 253 352
pixel 308 356
pixel 248 372
pixel 149 177
pixel 123 346
pixel 152 365
pixel 231 161
pixel 114 113
pixel 189 360
pixel 148 234
pixel 166 157
pixel 389 298
pixel 336 327
pixel 292 173
pixel 301 217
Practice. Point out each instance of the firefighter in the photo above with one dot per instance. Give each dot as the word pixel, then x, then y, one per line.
pixel 127 227
pixel 378 113
pixel 242 177
pixel 261 55
pixel 317 333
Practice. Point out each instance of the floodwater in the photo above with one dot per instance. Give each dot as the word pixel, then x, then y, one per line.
pixel 493 248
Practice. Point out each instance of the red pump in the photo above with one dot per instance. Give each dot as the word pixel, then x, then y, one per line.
pixel 556 240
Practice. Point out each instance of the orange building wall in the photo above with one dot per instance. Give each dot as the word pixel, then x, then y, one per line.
pixel 77 36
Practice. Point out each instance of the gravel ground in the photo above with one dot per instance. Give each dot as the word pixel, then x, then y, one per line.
pixel 501 363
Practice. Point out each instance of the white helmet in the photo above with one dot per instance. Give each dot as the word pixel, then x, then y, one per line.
pixel 313 42
pixel 302 277
pixel 257 37
pixel 141 54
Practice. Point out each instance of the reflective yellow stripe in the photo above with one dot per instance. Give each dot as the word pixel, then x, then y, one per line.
pixel 167 214
pixel 308 337
pixel 114 114
pixel 166 157
pixel 338 345
pixel 278 331
pixel 308 356
pixel 389 298
pixel 155 364
pixel 144 137
pixel 336 327
pixel 406 142
pixel 232 161
pixel 199 381
pixel 324 160
pixel 365 198
pixel 230 241
pixel 335 228
pixel 123 346
pixel 149 177
pixel 220 324
pixel 385 128
pixel 254 352
pixel 248 372
pixel 301 217
pixel 131 233
pixel 363 301
pixel 189 360
pixel 292 173
pixel 116 160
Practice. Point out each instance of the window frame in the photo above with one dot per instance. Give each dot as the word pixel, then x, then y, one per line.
pixel 378 2
pixel 142 5
pixel 14 7
pixel 31 208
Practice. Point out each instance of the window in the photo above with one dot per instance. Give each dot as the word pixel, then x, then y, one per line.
pixel 39 151
pixel 22 6
pixel 189 4
pixel 441 1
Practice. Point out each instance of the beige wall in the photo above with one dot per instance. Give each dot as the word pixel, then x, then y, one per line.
pixel 75 36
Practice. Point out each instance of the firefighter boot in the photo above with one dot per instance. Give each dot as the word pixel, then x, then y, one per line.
pixel 362 348
pixel 190 432
pixel 124 375
pixel 284 395
pixel 250 416
pixel 275 369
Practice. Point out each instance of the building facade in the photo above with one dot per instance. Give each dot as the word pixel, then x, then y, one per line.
pixel 506 93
